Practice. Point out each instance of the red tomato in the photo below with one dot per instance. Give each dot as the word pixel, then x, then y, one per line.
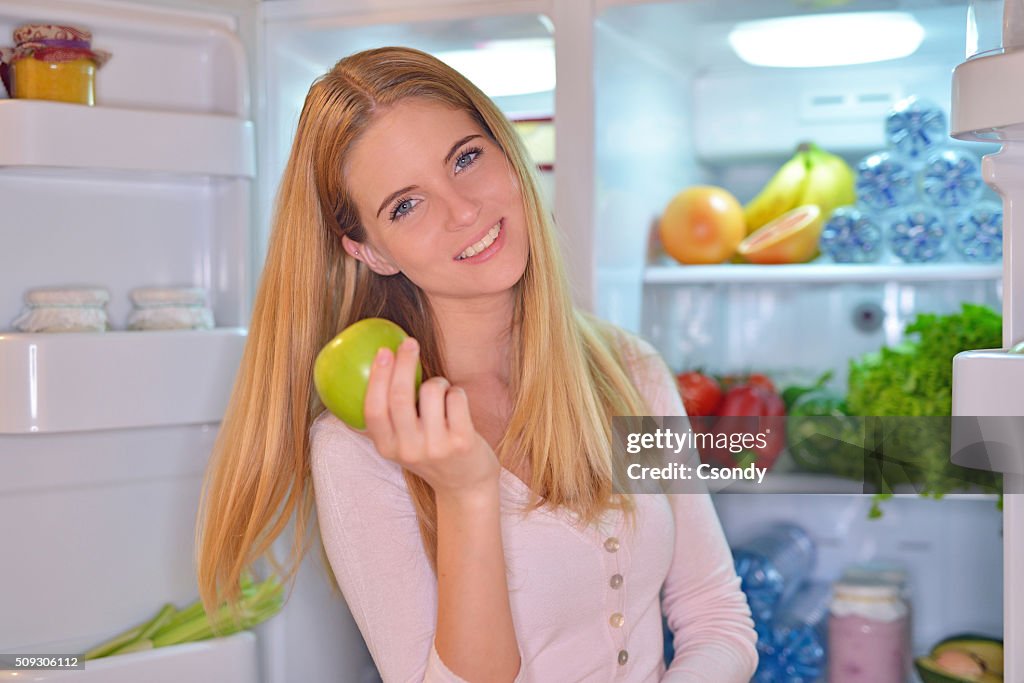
pixel 700 393
pixel 767 407
pixel 744 400
pixel 759 380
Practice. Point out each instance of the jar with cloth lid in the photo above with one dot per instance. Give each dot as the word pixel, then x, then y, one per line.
pixel 64 310
pixel 867 633
pixel 50 62
pixel 170 308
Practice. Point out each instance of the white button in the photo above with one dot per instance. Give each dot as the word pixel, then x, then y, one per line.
pixel 616 581
pixel 617 620
pixel 612 544
pixel 623 657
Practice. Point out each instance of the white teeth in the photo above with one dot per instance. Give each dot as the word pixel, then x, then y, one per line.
pixel 487 241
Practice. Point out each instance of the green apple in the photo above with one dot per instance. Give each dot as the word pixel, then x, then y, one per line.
pixel 342 369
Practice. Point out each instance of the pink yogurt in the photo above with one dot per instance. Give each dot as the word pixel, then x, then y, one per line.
pixel 866 650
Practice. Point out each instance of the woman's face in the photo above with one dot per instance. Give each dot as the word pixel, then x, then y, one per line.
pixel 438 201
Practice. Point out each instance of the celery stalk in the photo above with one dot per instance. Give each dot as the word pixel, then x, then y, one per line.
pixel 259 602
pixel 108 646
pixel 143 630
pixel 187 614
pixel 162 618
pixel 135 646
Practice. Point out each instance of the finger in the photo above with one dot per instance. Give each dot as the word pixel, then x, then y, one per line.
pixel 402 397
pixel 432 411
pixel 375 407
pixel 460 423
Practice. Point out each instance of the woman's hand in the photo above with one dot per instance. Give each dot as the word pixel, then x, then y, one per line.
pixel 439 444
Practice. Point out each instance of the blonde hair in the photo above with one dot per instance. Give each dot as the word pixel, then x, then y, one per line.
pixel 568 373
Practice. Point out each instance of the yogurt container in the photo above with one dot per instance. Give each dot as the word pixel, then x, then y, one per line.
pixel 868 634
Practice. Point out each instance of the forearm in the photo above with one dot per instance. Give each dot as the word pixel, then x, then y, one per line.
pixel 475 637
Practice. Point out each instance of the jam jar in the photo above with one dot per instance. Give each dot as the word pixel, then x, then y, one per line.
pixel 50 62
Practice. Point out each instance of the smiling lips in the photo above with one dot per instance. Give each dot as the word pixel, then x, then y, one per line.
pixel 485 241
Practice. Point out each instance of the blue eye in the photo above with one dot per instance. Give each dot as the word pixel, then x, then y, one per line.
pixel 467 158
pixel 402 208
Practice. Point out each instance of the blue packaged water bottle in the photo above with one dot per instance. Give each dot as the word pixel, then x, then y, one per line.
pixel 917 234
pixel 951 179
pixel 978 233
pixel 795 648
pixel 851 237
pixel 884 181
pixel 914 127
pixel 772 565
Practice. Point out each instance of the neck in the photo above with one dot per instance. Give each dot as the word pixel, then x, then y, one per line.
pixel 477 337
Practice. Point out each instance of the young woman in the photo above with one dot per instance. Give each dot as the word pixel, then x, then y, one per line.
pixel 474 531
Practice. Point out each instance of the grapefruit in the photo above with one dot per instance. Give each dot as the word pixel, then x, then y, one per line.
pixel 702 225
pixel 790 238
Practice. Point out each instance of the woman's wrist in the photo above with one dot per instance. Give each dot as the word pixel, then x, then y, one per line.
pixel 480 497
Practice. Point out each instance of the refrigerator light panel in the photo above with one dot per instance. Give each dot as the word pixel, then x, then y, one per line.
pixel 827 39
pixel 507 67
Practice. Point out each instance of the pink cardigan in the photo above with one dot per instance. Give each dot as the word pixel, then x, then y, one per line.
pixel 585 603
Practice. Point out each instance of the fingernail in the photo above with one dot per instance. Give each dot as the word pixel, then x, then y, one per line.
pixel 383 356
pixel 410 343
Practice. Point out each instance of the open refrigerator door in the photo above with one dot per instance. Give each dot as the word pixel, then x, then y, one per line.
pixel 129 229
pixel 986 382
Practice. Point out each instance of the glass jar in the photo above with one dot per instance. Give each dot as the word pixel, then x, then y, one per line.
pixel 52 63
pixel 868 634
pixel 71 81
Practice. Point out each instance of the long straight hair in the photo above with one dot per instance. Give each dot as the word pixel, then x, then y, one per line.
pixel 568 370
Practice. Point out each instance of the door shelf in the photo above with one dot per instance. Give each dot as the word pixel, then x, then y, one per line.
pixel 805 483
pixel 810 273
pixel 232 659
pixel 115 380
pixel 62 135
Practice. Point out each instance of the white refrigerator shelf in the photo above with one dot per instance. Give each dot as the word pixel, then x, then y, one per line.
pixel 115 380
pixel 784 483
pixel 809 273
pixel 63 135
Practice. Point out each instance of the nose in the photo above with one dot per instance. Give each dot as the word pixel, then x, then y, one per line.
pixel 463 208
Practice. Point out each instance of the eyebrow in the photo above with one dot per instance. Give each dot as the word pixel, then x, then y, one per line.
pixel 394 195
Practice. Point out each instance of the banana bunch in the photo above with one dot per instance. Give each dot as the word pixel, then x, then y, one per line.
pixel 811 176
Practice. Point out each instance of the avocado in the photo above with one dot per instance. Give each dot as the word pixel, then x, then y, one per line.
pixel 930 672
pixel 983 657
pixel 988 650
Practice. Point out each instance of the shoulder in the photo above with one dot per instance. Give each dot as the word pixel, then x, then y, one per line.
pixel 648 371
pixel 639 357
pixel 344 455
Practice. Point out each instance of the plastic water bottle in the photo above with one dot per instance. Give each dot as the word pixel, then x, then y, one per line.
pixel 884 181
pixel 951 179
pixel 795 648
pixel 978 233
pixel 914 127
pixel 917 234
pixel 851 237
pixel 772 565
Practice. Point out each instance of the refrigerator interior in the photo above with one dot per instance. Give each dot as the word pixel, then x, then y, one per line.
pixel 674 107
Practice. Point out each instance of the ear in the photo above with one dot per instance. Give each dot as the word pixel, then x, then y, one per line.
pixel 362 251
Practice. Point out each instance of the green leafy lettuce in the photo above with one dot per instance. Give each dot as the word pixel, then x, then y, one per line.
pixel 915 379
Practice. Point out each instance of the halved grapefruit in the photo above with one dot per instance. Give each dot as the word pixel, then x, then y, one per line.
pixel 790 238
